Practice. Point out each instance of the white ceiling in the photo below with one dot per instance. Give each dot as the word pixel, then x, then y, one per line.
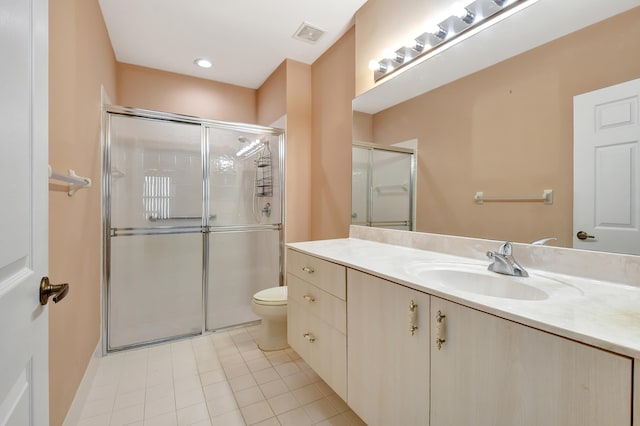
pixel 245 39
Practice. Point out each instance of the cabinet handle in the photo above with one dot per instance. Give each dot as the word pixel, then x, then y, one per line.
pixel 310 337
pixel 441 329
pixel 308 270
pixel 309 298
pixel 413 317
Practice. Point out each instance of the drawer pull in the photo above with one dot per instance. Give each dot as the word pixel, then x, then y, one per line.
pixel 413 317
pixel 309 298
pixel 309 337
pixel 308 270
pixel 441 330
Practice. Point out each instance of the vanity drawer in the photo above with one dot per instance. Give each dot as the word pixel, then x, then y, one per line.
pixel 321 346
pixel 325 306
pixel 328 276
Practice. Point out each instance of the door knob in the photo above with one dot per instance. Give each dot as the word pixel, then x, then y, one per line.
pixel 583 235
pixel 58 291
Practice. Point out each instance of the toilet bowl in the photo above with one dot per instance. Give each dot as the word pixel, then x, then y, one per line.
pixel 271 305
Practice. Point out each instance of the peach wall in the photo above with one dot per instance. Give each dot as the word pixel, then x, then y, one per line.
pixel 156 90
pixel 362 127
pixel 287 92
pixel 272 97
pixel 80 61
pixel 298 152
pixel 332 91
pixel 509 130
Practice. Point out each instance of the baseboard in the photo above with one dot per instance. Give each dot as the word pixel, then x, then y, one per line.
pixel 73 415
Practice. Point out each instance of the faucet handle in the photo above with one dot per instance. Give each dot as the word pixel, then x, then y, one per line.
pixel 505 249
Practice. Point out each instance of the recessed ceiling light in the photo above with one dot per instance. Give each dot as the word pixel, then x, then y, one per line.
pixel 203 63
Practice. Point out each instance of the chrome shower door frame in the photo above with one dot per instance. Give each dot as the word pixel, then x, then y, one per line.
pixel 205 227
pixel 373 147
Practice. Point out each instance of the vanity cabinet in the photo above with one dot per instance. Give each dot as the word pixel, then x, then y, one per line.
pixel 316 316
pixel 402 356
pixel 388 351
pixel 491 371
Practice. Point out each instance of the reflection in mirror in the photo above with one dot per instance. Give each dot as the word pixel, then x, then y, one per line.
pixel 383 186
pixel 508 130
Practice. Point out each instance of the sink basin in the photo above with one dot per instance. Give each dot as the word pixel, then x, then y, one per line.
pixel 477 279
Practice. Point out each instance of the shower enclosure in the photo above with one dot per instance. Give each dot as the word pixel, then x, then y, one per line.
pixel 193 219
pixel 382 186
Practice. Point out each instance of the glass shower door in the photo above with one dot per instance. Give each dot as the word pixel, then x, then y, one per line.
pixel 360 177
pixel 382 186
pixel 244 224
pixel 391 190
pixel 155 242
pixel 193 224
pixel 156 288
pixel 240 264
pixel 244 178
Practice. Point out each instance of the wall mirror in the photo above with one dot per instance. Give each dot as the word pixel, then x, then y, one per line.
pixel 504 126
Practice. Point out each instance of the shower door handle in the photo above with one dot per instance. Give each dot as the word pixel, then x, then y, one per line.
pixel 47 290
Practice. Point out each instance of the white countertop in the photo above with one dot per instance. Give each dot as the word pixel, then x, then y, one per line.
pixel 598 313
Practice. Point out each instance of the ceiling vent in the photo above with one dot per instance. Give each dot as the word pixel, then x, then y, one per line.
pixel 308 33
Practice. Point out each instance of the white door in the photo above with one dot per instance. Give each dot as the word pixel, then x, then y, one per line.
pixel 606 200
pixel 23 212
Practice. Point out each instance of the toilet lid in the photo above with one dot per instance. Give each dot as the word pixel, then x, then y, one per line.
pixel 272 295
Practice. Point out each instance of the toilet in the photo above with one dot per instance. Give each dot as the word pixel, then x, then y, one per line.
pixel 271 305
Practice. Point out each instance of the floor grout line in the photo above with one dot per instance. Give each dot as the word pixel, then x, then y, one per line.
pixel 238 367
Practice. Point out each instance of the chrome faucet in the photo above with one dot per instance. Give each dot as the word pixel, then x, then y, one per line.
pixel 504 263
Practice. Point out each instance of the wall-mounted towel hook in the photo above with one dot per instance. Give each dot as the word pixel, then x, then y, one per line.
pixel 75 182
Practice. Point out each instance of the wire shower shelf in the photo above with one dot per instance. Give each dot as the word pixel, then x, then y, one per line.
pixel 264 178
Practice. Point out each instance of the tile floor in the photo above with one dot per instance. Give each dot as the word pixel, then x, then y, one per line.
pixel 217 379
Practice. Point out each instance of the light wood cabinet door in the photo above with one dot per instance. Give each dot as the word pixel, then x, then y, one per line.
pixel 322 347
pixel 388 367
pixel 491 371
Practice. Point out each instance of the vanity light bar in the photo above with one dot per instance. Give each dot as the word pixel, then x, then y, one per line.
pixel 464 20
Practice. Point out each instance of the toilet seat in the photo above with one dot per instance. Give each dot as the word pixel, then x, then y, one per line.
pixel 274 296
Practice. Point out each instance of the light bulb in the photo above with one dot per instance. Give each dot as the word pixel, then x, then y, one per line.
pixel 457 9
pixel 389 53
pixel 393 55
pixel 436 30
pixel 416 44
pixel 411 43
pixel 374 65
